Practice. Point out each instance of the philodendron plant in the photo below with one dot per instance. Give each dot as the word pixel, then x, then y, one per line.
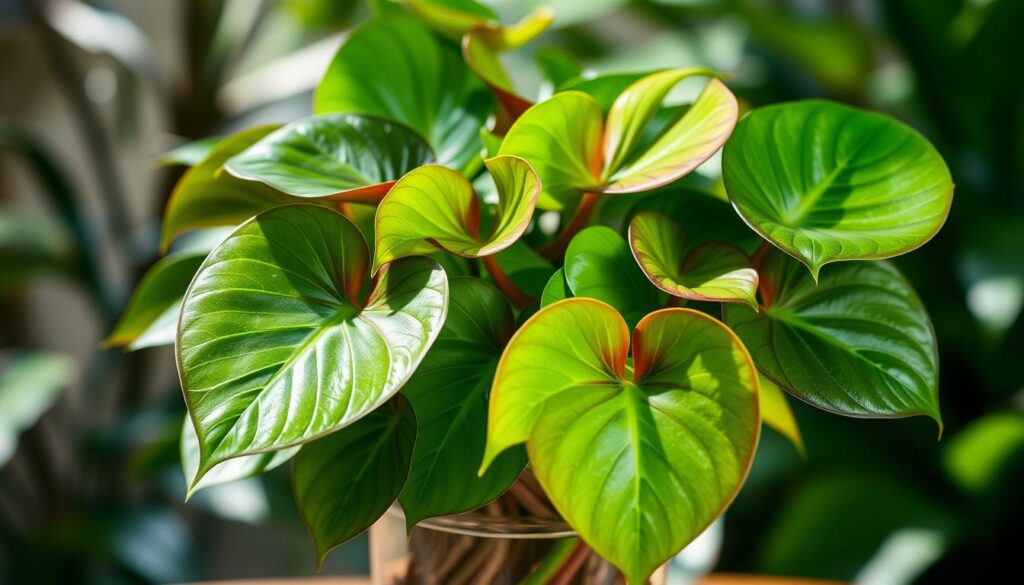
pixel 434 283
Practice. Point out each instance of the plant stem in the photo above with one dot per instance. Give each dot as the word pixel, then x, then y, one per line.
pixel 572 565
pixel 504 284
pixel 578 221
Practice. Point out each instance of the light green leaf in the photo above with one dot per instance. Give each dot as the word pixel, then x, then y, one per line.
pixel 826 182
pixel 449 394
pixel 711 271
pixel 228 471
pixel 987 455
pixel 435 207
pixel 600 265
pixel 573 150
pixel 152 312
pixel 661 449
pixel 343 157
pixel 452 18
pixel 280 342
pixel 557 289
pixel 30 383
pixel 777 414
pixel 347 480
pixel 208 197
pixel 858 343
pixel 190 153
pixel 425 86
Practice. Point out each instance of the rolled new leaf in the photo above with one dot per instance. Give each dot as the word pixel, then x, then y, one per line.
pixel 710 271
pixel 857 343
pixel 826 182
pixel 574 150
pixel 342 157
pixel 637 461
pixel 282 340
pixel 434 207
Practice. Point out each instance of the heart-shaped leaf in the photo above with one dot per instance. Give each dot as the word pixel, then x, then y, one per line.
pixel 640 462
pixel 711 271
pixel 435 207
pixel 279 343
pixel 857 343
pixel 557 289
pixel 151 317
pixel 347 480
pixel 207 197
pixel 425 86
pixel 343 157
pixel 599 265
pixel 573 150
pixel 826 182
pixel 449 394
pixel 482 48
pixel 228 471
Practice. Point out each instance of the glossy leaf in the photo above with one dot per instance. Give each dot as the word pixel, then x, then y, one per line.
pixel 452 18
pixel 711 271
pixel 826 182
pixel 152 314
pixel 347 480
pixel 343 157
pixel 449 393
pixel 30 383
pixel 573 150
pixel 228 471
pixel 208 197
pixel 777 414
pixel 435 207
pixel 858 343
pixel 425 86
pixel 279 341
pixel 638 462
pixel 599 265
pixel 557 289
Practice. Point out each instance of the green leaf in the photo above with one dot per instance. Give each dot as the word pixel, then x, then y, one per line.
pixel 189 154
pixel 208 197
pixel 777 414
pixel 449 393
pixel 826 182
pixel 32 245
pixel 343 157
pixel 452 18
pixel 228 471
pixel 30 383
pixel 425 86
pixel 151 317
pixel 435 207
pixel 347 480
pixel 638 462
pixel 858 343
pixel 573 150
pixel 987 455
pixel 711 271
pixel 280 342
pixel 556 289
pixel 600 265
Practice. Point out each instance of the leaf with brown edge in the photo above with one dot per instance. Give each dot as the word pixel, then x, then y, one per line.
pixel 434 207
pixel 710 271
pixel 661 449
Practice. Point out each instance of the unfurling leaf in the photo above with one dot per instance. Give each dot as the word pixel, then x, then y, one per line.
pixel 342 157
pixel 574 151
pixel 434 207
pixel 281 342
pixel 638 461
pixel 857 343
pixel 826 182
pixel 711 271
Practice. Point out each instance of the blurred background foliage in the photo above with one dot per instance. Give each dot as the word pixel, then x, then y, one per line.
pixel 92 94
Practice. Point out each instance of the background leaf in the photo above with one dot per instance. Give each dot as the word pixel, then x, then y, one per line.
pixel 449 393
pixel 30 382
pixel 338 156
pixel 858 343
pixel 347 480
pixel 827 182
pixel 278 315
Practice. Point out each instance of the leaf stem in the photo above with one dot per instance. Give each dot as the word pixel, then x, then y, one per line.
pixel 504 284
pixel 578 221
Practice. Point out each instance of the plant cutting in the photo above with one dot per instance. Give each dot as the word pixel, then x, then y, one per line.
pixel 394 315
